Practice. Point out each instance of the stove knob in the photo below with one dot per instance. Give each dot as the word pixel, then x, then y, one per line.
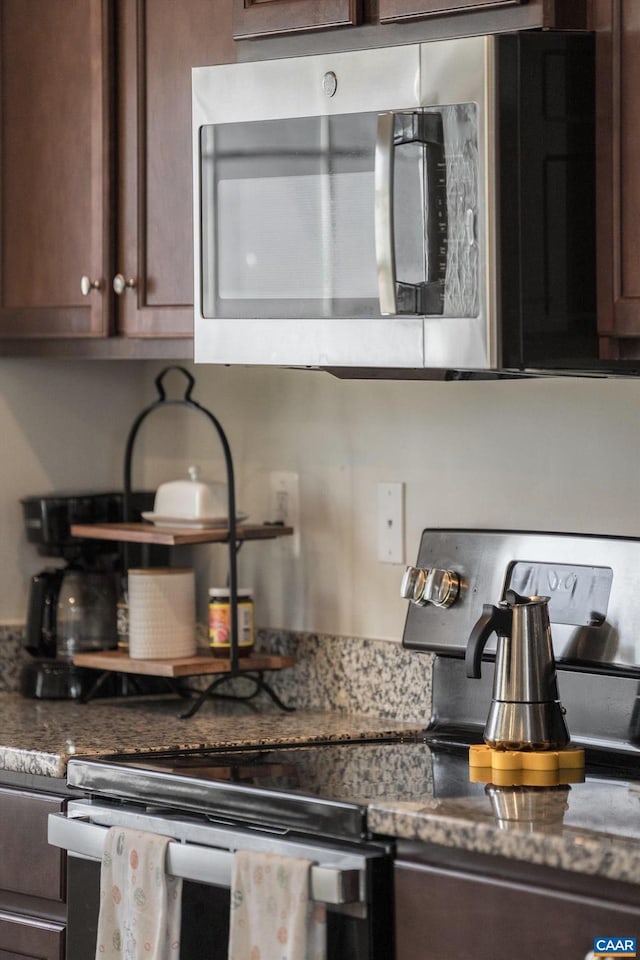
pixel 422 586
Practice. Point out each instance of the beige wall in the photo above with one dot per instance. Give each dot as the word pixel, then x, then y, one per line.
pixel 545 454
pixel 61 429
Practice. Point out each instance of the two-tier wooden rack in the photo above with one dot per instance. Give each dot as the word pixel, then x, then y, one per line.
pixel 234 534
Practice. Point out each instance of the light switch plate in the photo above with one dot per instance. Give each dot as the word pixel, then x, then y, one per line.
pixel 391 522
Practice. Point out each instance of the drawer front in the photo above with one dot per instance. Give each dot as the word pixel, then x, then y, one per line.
pixel 471 917
pixel 28 864
pixel 24 939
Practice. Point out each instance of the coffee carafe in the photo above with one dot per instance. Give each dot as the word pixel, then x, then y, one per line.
pixel 85 612
pixel 525 712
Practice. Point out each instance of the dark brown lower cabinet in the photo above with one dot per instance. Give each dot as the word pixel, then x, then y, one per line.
pixel 488 908
pixel 32 873
pixel 24 938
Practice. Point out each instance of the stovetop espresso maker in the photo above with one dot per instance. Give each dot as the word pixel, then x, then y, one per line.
pixel 525 711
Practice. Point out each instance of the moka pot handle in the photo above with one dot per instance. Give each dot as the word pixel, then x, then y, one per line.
pixel 493 619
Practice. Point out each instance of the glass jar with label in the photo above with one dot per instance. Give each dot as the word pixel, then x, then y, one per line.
pixel 220 621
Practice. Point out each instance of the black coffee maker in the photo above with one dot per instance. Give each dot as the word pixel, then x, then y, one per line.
pixel 71 607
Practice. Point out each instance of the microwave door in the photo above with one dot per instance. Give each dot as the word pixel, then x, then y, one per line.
pixel 287 218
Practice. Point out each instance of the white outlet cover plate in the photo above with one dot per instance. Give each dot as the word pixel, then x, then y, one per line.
pixel 286 484
pixel 390 522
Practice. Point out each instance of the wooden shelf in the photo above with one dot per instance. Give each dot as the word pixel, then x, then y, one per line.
pixel 118 662
pixel 176 536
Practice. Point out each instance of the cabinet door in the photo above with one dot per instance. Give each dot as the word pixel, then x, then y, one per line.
pixel 398 9
pixel 22 938
pixel 617 24
pixel 28 864
pixel 54 198
pixel 442 913
pixel 158 43
pixel 493 16
pixel 262 18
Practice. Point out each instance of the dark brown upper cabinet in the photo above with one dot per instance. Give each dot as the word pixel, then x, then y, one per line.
pixel 157 43
pixel 491 16
pixel 95 146
pixel 55 129
pixel 260 18
pixel 392 10
pixel 617 25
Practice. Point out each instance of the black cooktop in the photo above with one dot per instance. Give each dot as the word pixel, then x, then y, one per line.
pixel 323 788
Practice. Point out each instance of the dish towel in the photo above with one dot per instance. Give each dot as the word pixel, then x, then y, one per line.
pixel 139 903
pixel 272 915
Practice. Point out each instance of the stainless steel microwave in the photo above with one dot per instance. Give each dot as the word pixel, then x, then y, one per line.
pixel 419 207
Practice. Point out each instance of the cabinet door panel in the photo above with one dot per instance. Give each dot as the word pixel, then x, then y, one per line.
pixel 617 24
pixel 24 939
pixel 398 9
pixel 54 157
pixel 159 42
pixel 261 18
pixel 629 39
pixel 474 917
pixel 492 16
pixel 28 864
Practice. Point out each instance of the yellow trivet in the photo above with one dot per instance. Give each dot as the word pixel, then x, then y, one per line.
pixel 525 767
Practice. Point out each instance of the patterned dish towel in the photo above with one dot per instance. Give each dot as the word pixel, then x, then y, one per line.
pixel 272 915
pixel 139 904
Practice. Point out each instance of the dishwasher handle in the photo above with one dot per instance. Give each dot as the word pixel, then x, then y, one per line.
pixel 189 861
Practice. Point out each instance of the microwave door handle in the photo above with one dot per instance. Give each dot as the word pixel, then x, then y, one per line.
pixel 201 864
pixel 395 296
pixel 383 212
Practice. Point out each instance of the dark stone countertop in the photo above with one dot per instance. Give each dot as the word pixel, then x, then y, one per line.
pixel 39 736
pixel 592 828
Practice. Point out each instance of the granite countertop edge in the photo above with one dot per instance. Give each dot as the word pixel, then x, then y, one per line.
pixel 581 851
pixel 39 738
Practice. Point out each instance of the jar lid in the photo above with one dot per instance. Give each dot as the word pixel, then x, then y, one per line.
pixel 222 593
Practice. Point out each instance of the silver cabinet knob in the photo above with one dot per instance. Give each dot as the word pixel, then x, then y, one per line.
pixel 87 285
pixel 120 284
pixel 422 586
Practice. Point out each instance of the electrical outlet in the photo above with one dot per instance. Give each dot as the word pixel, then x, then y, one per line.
pixel 391 522
pixel 285 508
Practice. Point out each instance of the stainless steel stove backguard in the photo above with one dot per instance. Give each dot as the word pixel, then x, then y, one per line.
pixel 593 584
pixel 594 587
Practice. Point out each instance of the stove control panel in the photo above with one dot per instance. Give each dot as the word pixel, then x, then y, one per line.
pixel 592 582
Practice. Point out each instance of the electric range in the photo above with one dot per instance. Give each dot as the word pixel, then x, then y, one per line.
pixel 316 798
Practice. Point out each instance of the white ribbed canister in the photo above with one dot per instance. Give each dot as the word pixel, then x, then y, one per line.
pixel 162 613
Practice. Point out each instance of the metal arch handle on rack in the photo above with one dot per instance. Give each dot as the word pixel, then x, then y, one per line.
pixel 187 401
